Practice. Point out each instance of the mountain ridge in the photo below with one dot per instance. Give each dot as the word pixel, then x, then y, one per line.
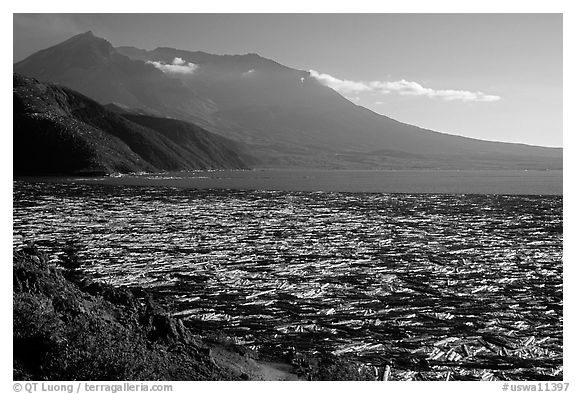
pixel 285 116
pixel 60 131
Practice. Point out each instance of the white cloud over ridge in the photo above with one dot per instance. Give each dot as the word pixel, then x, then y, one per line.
pixel 178 66
pixel 403 87
pixel 340 85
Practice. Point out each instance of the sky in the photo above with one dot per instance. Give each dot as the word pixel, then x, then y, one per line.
pixel 488 76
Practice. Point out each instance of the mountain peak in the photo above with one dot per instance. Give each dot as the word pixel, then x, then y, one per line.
pixel 82 50
pixel 86 34
pixel 86 37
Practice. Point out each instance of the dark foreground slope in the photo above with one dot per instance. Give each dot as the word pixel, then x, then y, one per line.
pixel 67 327
pixel 59 131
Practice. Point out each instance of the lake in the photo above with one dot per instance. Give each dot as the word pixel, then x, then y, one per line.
pixel 467 283
pixel 401 181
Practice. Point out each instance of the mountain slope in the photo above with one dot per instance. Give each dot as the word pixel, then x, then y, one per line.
pixel 206 148
pixel 91 66
pixel 59 131
pixel 268 101
pixel 286 116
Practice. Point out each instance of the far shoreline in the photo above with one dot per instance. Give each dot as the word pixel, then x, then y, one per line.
pixel 401 181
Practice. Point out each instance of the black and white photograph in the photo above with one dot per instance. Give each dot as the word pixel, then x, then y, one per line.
pixel 287 197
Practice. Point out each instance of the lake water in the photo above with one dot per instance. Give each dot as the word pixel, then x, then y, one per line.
pixel 466 283
pixel 407 181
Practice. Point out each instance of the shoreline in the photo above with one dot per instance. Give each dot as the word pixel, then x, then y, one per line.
pixel 468 182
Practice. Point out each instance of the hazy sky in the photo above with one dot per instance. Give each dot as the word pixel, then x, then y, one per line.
pixel 488 76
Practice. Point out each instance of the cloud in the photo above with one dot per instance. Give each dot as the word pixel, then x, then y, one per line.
pixel 178 66
pixel 178 61
pixel 341 85
pixel 409 88
pixel 402 87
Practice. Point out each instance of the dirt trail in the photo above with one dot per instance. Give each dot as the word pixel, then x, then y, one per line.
pixel 250 369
